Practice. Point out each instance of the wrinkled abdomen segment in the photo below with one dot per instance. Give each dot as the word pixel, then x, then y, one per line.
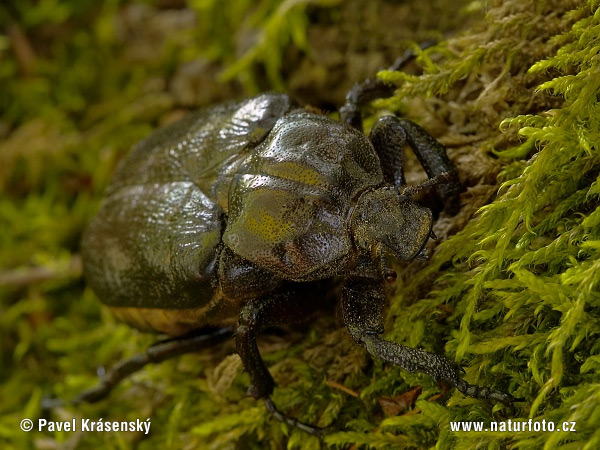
pixel 154 246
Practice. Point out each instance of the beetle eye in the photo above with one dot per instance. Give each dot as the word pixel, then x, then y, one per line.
pixel 390 276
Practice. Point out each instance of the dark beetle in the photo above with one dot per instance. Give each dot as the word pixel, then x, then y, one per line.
pixel 235 214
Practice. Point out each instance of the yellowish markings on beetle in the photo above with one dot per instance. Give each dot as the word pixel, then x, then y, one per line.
pixel 219 311
pixel 173 322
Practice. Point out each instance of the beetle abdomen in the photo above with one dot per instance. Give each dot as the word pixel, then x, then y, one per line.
pixel 154 244
pixel 176 322
pixel 155 241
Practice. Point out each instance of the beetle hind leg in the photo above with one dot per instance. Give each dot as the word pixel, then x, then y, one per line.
pixel 310 429
pixel 156 353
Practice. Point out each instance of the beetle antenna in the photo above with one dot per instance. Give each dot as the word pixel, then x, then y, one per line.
pixel 411 191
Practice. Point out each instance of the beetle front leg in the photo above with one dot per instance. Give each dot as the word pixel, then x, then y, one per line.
pixel 359 96
pixel 432 156
pixel 388 139
pixel 438 367
pixel 362 301
pixel 389 134
pixel 282 307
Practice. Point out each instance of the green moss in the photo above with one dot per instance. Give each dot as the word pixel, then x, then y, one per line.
pixel 511 292
pixel 519 284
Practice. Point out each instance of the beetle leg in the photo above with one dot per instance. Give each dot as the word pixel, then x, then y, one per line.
pixel 389 134
pixel 388 139
pixel 281 307
pixel 371 89
pixel 359 96
pixel 156 353
pixel 436 366
pixel 432 156
pixel 362 303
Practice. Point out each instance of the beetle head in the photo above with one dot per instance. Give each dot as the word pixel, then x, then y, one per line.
pixel 386 217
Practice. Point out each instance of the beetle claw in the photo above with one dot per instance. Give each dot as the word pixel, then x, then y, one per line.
pixel 253 392
pixel 311 429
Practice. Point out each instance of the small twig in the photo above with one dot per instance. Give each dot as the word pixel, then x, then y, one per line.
pixel 341 387
pixel 33 275
pixel 22 47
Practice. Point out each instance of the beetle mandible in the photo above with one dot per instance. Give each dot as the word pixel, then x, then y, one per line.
pixel 235 214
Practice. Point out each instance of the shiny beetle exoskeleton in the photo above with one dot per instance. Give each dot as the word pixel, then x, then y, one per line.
pixel 235 214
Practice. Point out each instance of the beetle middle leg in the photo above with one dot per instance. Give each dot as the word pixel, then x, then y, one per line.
pixel 287 305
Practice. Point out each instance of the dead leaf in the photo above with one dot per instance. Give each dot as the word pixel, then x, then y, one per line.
pixel 392 406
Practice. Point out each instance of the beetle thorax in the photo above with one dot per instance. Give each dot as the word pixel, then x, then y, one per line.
pixel 384 217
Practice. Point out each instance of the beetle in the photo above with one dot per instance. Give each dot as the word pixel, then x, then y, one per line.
pixel 236 214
